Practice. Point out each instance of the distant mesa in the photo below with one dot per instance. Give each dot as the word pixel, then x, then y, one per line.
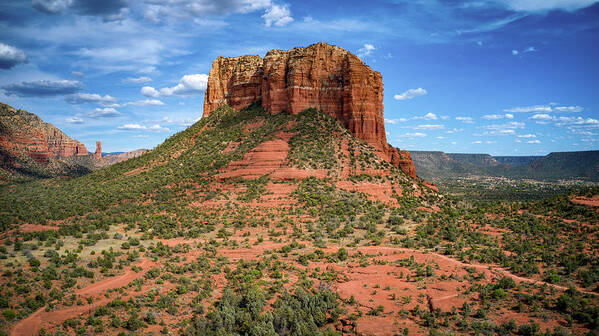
pixel 326 77
pixel 582 165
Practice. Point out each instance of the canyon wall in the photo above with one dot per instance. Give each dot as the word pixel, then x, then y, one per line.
pixel 322 76
pixel 24 133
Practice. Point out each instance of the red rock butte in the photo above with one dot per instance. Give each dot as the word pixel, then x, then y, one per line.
pixel 322 76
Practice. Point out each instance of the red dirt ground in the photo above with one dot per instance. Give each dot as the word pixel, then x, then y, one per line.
pixel 590 201
pixel 374 191
pixel 42 319
pixel 36 228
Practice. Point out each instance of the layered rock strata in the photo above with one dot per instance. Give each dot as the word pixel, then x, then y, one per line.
pixel 322 76
pixel 24 133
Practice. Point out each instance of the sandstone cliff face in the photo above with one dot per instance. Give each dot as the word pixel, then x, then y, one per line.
pixel 98 152
pixel 326 77
pixel 24 133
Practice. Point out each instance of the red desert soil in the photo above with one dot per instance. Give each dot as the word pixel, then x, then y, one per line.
pixel 590 201
pixel 431 186
pixel 375 285
pixel 28 228
pixel 269 157
pixel 264 159
pixel 42 319
pixel 36 228
pixel 374 191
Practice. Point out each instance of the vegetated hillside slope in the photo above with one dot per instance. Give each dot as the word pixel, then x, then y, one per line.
pixel 435 165
pixel 257 224
pixel 480 160
pixel 516 160
pixel 562 165
pixel 310 144
pixel 554 166
pixel 112 158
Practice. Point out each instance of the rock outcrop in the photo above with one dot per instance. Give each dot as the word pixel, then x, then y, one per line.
pixel 25 132
pixel 98 153
pixel 27 141
pixel 326 77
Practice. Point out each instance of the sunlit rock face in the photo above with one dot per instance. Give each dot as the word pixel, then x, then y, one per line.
pixel 322 76
pixel 22 132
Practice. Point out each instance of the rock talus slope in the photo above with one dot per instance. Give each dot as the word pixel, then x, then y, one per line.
pixel 322 76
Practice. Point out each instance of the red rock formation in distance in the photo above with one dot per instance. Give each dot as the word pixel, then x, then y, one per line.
pixel 98 153
pixel 25 133
pixel 323 76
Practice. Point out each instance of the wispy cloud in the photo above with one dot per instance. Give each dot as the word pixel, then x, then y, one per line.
pixel 145 102
pixel 544 6
pixel 426 127
pixel 137 80
pixel 138 127
pixel 413 135
pixel 82 98
pixel 498 116
pixel 43 88
pixel 74 120
pixel 509 125
pixel 544 118
pixel 465 120
pixel 526 50
pixel 544 108
pixel 107 112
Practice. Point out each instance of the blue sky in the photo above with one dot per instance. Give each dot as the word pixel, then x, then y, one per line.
pixel 505 77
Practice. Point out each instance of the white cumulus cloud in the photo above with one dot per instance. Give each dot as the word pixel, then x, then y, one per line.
pixel 149 91
pixel 11 56
pixel 411 93
pixel 277 15
pixel 366 50
pixel 189 85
